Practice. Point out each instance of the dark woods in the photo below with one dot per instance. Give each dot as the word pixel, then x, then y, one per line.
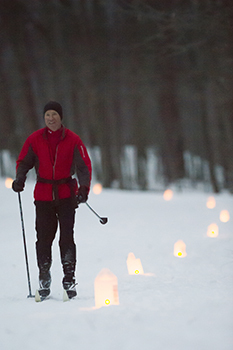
pixel 153 75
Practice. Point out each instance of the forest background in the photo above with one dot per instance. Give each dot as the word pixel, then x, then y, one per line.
pixel 147 85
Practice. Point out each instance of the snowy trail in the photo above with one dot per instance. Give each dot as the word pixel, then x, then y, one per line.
pixel 185 304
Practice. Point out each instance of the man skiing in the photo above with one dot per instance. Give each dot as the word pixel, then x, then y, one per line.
pixel 56 153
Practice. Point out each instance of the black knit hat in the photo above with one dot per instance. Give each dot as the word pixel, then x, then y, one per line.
pixel 55 106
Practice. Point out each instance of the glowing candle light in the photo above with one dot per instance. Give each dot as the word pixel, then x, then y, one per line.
pixel 212 230
pixel 8 182
pixel 211 203
pixel 224 216
pixel 180 249
pixel 106 289
pixel 167 195
pixel 134 265
pixel 97 188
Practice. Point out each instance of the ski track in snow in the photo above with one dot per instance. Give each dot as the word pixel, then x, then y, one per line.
pixel 184 304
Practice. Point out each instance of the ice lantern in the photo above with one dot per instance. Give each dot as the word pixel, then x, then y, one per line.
pixel 167 195
pixel 224 216
pixel 180 249
pixel 8 182
pixel 134 265
pixel 97 188
pixel 106 289
pixel 211 203
pixel 212 230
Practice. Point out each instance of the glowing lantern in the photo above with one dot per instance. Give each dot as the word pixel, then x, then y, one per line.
pixel 106 289
pixel 8 182
pixel 211 203
pixel 97 188
pixel 224 216
pixel 134 265
pixel 167 195
pixel 212 230
pixel 180 249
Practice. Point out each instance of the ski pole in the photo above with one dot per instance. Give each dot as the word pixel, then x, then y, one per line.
pixel 25 247
pixel 102 220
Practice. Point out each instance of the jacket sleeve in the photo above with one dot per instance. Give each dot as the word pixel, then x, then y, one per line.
pixel 25 161
pixel 83 167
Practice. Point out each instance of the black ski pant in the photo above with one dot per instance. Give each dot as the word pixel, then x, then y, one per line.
pixel 48 216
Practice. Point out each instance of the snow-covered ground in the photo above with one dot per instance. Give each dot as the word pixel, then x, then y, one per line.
pixel 183 304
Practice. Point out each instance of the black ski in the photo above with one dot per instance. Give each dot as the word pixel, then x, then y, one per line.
pixel 67 295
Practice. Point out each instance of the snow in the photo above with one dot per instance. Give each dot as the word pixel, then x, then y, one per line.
pixel 180 304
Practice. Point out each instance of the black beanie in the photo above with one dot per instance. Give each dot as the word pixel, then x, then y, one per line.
pixel 54 106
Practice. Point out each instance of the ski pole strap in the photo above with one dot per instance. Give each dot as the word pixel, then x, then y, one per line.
pixel 55 183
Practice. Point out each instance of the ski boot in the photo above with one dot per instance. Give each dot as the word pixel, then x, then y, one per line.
pixel 69 287
pixel 44 282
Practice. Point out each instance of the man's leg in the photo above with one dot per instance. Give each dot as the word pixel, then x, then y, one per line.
pixel 66 217
pixel 46 227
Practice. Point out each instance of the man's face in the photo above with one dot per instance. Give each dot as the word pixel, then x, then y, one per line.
pixel 52 120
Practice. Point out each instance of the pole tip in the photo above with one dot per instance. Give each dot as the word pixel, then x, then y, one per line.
pixel 104 221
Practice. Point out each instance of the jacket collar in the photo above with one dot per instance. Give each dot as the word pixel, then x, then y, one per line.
pixel 46 129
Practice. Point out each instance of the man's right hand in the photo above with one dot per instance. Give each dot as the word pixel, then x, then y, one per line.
pixel 82 194
pixel 18 185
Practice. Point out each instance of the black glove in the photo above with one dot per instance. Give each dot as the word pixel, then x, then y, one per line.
pixel 18 185
pixel 82 194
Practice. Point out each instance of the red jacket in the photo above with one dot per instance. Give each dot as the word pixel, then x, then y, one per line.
pixel 71 158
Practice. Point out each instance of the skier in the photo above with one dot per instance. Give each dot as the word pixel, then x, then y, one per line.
pixel 56 153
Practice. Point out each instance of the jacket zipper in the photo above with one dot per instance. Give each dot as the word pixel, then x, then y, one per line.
pixel 55 160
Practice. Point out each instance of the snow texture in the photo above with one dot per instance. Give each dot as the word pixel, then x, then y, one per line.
pixel 182 304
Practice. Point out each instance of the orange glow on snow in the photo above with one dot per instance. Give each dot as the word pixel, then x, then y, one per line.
pixel 180 249
pixel 167 195
pixel 224 216
pixel 211 203
pixel 97 188
pixel 212 230
pixel 8 182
